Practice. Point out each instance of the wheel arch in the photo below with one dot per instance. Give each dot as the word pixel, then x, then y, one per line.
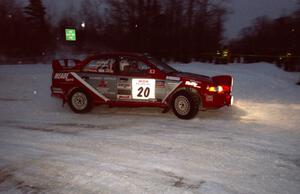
pixel 187 89
pixel 69 92
pixel 185 98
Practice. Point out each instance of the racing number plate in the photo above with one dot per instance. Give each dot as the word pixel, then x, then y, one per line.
pixel 143 89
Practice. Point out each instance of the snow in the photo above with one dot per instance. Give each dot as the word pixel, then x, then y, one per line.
pixel 252 147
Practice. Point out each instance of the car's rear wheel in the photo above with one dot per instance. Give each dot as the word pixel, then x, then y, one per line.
pixel 80 101
pixel 185 104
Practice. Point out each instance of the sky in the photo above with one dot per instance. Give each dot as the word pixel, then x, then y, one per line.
pixel 243 11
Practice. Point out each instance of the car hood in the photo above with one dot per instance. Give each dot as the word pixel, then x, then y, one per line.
pixel 191 76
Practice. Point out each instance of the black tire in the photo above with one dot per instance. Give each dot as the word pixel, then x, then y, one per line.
pixel 185 104
pixel 79 101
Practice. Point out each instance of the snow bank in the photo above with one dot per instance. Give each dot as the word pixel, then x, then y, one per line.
pixel 252 147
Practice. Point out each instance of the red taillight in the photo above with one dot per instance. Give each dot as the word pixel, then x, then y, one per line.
pixel 226 88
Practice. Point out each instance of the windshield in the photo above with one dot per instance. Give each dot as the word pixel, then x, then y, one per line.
pixel 162 66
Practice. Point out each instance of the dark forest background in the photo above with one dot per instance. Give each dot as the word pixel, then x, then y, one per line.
pixel 178 30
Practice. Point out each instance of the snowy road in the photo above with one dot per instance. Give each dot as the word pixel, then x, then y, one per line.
pixel 252 147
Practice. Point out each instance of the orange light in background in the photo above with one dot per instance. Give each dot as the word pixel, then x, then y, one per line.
pixel 225 53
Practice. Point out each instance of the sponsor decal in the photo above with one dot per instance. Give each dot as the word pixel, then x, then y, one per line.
pixel 63 76
pixel 110 78
pixel 104 70
pixel 92 69
pixel 124 92
pixel 124 80
pixel 110 93
pixel 160 84
pixel 101 66
pixel 192 83
pixel 102 84
pixel 57 90
pixel 124 97
pixel 105 66
pixel 209 98
pixel 143 88
pixel 173 78
pixel 124 86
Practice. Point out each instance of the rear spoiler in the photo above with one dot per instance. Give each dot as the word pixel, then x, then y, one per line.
pixel 226 81
pixel 64 64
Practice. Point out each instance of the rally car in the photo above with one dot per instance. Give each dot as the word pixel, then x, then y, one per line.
pixel 136 80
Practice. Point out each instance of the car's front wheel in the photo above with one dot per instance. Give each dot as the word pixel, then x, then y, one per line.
pixel 80 101
pixel 185 104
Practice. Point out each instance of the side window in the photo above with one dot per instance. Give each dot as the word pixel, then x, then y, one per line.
pixel 133 66
pixel 101 66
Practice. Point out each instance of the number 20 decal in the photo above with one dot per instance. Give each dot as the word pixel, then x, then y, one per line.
pixel 143 88
pixel 144 92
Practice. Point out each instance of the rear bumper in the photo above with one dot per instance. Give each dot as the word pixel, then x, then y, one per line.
pixel 217 100
pixel 229 100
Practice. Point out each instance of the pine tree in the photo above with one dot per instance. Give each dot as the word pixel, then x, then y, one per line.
pixel 12 32
pixel 36 12
pixel 38 27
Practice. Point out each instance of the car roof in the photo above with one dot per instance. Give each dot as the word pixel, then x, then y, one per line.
pixel 112 54
pixel 115 54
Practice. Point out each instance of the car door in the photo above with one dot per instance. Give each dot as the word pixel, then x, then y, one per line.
pixel 135 81
pixel 100 74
